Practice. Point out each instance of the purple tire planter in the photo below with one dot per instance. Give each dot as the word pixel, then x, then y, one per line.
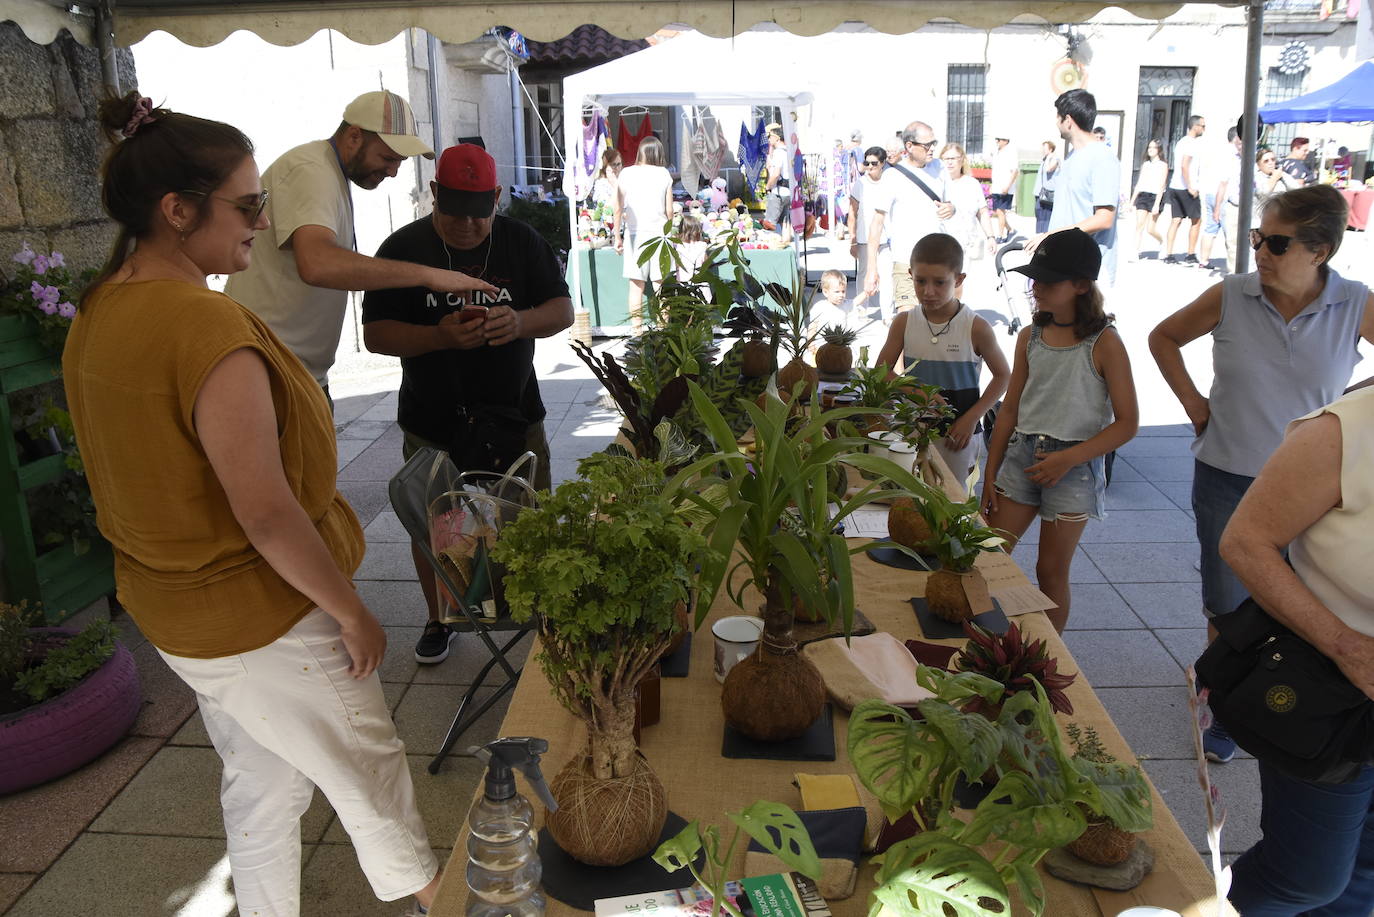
pixel 56 737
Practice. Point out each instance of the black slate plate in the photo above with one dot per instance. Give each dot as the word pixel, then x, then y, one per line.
pixel 816 744
pixel 579 885
pixel 937 628
pixel 676 664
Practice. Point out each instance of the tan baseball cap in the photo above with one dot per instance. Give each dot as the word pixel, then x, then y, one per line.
pixel 389 117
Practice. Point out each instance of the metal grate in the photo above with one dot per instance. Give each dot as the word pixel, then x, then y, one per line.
pixel 967 86
pixel 1280 87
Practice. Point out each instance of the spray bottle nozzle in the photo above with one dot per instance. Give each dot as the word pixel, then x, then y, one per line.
pixel 520 753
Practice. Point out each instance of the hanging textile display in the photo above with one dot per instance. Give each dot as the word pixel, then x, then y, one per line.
pixel 753 151
pixel 628 143
pixel 708 144
pixel 596 137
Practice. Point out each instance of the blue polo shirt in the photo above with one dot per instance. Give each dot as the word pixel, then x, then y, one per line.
pixel 1268 372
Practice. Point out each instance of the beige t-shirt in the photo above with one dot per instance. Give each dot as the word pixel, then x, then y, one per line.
pixel 1332 556
pixel 306 188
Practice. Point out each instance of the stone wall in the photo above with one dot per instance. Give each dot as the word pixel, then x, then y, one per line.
pixel 51 147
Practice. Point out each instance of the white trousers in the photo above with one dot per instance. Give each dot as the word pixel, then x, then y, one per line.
pixel 287 718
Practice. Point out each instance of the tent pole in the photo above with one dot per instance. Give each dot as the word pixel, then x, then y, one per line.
pixel 104 36
pixel 1249 135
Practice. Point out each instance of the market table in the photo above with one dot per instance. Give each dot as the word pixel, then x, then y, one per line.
pixel 1360 202
pixel 604 292
pixel 684 749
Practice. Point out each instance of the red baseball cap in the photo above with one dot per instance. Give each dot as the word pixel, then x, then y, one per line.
pixel 466 179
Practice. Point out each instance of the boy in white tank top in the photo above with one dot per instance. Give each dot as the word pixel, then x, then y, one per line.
pixel 946 344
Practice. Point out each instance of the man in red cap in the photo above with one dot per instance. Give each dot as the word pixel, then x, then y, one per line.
pixel 467 358
pixel 299 281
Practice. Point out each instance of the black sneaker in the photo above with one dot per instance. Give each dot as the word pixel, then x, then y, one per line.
pixel 433 645
pixel 1171 259
pixel 1191 261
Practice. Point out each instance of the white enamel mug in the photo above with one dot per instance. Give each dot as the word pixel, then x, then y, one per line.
pixel 736 637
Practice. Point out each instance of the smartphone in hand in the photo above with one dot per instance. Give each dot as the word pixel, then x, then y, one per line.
pixel 471 313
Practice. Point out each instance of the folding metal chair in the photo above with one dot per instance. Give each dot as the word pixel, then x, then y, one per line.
pixel 410 491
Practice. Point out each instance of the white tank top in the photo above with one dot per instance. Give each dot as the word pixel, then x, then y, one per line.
pixel 1332 556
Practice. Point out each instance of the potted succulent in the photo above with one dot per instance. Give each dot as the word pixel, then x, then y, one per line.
pixel 1103 842
pixel 603 562
pixel 835 357
pixel 780 507
pixel 968 867
pixel 65 696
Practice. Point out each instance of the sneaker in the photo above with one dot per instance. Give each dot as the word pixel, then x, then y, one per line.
pixel 1172 259
pixel 433 645
pixel 1217 745
pixel 1191 261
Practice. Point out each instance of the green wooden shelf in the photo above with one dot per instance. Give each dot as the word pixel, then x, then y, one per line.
pixel 61 580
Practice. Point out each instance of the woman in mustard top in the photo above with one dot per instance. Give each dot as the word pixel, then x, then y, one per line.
pixel 210 452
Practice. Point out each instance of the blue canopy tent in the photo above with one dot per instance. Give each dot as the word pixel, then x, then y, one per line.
pixel 1351 98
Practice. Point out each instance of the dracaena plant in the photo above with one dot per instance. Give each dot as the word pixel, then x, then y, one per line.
pixel 776 827
pixel 966 867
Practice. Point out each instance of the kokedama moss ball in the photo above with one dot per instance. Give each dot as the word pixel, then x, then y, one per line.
pixel 758 360
pixel 906 525
pixel 945 595
pixel 1104 844
pixel 834 359
pixel 607 822
pixel 772 697
pixel 798 370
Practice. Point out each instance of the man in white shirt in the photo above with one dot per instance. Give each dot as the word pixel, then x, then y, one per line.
pixel 778 202
pixel 1222 183
pixel 1004 172
pixel 298 283
pixel 864 249
pixel 1183 196
pixel 908 204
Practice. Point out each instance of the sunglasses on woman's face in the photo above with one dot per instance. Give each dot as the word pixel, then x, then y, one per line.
pixel 872 162
pixel 1277 244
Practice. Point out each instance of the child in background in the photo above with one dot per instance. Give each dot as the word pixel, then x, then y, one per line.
pixel 947 345
pixel 832 307
pixel 691 247
pixel 1070 402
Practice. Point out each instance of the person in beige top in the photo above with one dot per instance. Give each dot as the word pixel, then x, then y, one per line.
pixel 299 279
pixel 233 547
pixel 1315 497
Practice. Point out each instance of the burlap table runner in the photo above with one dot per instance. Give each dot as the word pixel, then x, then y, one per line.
pixel 684 750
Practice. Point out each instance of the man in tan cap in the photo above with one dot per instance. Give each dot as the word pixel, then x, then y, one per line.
pixel 306 262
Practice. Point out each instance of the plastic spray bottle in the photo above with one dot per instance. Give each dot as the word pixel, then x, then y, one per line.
pixel 503 860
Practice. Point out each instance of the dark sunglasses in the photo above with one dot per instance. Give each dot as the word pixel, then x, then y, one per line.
pixel 930 145
pixel 251 210
pixel 1277 244
pixel 872 162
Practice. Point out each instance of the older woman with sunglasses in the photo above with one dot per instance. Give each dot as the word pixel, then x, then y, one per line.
pixel 1284 343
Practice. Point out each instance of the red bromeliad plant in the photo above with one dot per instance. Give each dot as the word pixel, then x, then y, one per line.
pixel 1015 662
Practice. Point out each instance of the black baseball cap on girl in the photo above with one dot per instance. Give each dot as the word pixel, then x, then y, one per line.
pixel 1070 254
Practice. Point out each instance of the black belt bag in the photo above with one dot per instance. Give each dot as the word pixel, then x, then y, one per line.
pixel 488 437
pixel 1285 702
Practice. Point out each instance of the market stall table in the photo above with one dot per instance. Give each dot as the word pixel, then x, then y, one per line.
pixel 1360 202
pixel 604 292
pixel 684 749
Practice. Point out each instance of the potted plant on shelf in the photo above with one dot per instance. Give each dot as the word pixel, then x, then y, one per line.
pixel 65 696
pixel 1103 842
pixel 968 868
pixel 603 562
pixel 797 379
pixel 780 507
pixel 835 357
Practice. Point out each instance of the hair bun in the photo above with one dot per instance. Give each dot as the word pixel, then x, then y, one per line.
pixel 121 116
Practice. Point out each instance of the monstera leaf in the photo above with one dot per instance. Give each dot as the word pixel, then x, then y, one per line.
pixel 1022 875
pixel 895 756
pixel 1122 793
pixel 1023 812
pixel 780 831
pixel 933 876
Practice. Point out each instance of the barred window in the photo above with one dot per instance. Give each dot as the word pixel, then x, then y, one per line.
pixel 966 92
pixel 1280 87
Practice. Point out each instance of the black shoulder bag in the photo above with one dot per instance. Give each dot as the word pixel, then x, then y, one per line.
pixel 1285 702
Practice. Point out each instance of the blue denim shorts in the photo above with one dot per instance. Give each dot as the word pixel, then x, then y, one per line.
pixel 1211 216
pixel 1216 494
pixel 1081 492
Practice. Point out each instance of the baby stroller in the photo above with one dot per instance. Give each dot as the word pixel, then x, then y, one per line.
pixel 1014 286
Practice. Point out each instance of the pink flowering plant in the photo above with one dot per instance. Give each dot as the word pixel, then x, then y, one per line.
pixel 44 287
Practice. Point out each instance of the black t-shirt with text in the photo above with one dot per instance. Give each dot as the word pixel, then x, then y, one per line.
pixel 522 266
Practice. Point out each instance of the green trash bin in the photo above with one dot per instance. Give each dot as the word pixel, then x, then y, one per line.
pixel 1025 188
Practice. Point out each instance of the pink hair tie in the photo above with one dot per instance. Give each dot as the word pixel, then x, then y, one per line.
pixel 143 113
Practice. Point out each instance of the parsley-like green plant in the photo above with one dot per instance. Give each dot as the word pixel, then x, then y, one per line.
pixel 602 563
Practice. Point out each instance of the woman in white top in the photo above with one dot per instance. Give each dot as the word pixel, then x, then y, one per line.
pixel 1270 180
pixel 1314 497
pixel 643 200
pixel 862 249
pixel 1149 193
pixel 970 223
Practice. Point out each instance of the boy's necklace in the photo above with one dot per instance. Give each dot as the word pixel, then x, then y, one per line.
pixel 1061 324
pixel 935 335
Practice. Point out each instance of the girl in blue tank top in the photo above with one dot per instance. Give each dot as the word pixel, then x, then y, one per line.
pixel 1071 401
